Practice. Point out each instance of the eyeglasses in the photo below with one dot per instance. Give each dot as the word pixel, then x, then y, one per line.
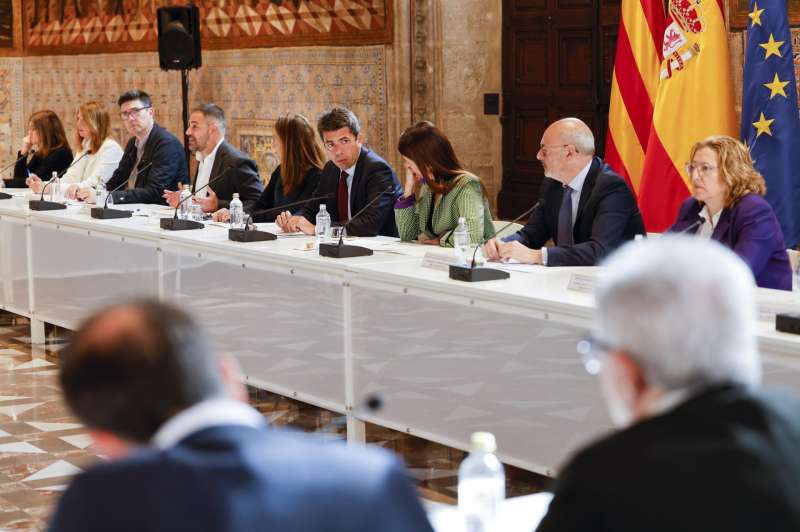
pixel 125 115
pixel 544 149
pixel 592 350
pixel 701 169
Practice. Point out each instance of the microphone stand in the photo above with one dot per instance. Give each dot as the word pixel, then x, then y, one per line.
pixel 342 251
pixel 254 235
pixel 41 204
pixel 6 195
pixel 178 224
pixel 104 213
pixel 471 274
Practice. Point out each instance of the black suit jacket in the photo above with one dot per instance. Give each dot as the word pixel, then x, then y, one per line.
pixel 168 169
pixel 372 176
pixel 57 160
pixel 607 217
pixel 726 459
pixel 273 196
pixel 242 479
pixel 240 175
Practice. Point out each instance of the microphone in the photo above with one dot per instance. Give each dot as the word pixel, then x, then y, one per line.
pixel 253 235
pixel 104 213
pixel 698 223
pixel 471 274
pixel 41 204
pixel 371 404
pixel 176 224
pixel 342 251
pixel 5 195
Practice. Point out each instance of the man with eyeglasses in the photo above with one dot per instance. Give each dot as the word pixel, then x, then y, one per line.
pixel 586 209
pixel 154 160
pixel 353 178
pixel 699 447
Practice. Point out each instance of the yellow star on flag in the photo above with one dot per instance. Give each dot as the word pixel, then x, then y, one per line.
pixel 763 125
pixel 776 87
pixel 772 47
pixel 755 16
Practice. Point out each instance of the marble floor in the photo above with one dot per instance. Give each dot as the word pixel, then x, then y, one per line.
pixel 42 446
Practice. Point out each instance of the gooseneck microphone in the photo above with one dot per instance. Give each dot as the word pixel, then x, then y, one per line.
pixel 177 224
pixel 698 223
pixel 5 195
pixel 471 274
pixel 41 204
pixel 253 235
pixel 342 251
pixel 104 213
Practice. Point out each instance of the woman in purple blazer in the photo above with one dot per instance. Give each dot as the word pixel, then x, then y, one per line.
pixel 727 205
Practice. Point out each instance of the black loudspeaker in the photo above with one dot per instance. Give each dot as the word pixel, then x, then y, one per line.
pixel 179 37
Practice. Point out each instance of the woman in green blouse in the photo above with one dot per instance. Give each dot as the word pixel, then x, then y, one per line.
pixel 438 191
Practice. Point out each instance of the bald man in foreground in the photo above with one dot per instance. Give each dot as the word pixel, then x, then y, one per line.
pixel 585 208
pixel 187 452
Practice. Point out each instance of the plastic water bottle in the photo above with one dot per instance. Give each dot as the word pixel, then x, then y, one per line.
pixel 797 280
pixel 185 203
pixel 481 484
pixel 100 193
pixel 55 188
pixel 461 242
pixel 323 227
pixel 236 210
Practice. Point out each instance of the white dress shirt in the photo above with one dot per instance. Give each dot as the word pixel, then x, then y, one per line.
pixel 205 164
pixel 94 167
pixel 709 223
pixel 206 414
pixel 574 188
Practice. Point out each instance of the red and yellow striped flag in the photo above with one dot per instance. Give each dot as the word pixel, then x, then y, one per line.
pixel 634 87
pixel 695 99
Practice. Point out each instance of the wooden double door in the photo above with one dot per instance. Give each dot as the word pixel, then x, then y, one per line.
pixel 558 61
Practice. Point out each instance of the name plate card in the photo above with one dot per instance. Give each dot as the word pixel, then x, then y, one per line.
pixel 579 282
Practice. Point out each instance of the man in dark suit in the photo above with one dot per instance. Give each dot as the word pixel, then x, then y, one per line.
pixel 586 209
pixel 188 453
pixel 699 447
pixel 222 167
pixel 154 160
pixel 353 178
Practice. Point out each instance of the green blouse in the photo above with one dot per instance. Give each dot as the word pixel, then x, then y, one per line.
pixel 464 199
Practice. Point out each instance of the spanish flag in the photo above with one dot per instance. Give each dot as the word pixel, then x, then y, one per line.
pixel 694 100
pixel 634 87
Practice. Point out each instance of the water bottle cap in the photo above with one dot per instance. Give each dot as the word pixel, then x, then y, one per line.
pixel 322 207
pixel 483 441
pixel 463 220
pixel 235 195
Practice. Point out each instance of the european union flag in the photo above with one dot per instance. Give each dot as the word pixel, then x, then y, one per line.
pixel 770 118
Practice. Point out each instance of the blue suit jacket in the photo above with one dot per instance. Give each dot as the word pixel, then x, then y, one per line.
pixel 607 217
pixel 241 479
pixel 750 228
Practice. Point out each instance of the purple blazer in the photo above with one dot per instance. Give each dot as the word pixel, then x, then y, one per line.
pixel 749 228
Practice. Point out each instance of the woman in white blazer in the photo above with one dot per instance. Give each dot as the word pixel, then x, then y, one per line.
pixel 99 154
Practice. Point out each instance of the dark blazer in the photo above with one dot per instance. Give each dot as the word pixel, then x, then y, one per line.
pixel 607 217
pixel 274 197
pixel 724 460
pixel 242 479
pixel 372 176
pixel 750 228
pixel 241 175
pixel 168 169
pixel 57 160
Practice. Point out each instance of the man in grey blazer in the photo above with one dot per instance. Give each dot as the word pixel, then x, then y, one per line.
pixel 187 452
pixel 222 167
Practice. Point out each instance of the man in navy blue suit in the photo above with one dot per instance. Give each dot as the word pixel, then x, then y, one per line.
pixel 189 454
pixel 586 208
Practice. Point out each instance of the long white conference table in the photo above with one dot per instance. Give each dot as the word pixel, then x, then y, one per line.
pixel 449 358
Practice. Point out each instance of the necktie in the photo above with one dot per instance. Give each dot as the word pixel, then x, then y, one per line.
pixel 343 201
pixel 134 175
pixel 564 235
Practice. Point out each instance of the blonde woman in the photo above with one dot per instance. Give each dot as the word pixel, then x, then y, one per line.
pixel 727 205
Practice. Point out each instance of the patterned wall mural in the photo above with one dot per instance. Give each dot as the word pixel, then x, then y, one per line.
pixel 96 26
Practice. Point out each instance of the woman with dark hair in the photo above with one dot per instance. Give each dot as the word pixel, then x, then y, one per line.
pixel 47 141
pixel 301 161
pixel 99 155
pixel 727 205
pixel 438 191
